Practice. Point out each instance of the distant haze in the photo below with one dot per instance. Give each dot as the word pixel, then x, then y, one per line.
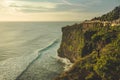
pixel 54 10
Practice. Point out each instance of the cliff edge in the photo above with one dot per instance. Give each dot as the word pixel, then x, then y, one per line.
pixel 94 48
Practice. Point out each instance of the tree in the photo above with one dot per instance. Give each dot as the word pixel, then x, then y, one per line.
pixel 108 65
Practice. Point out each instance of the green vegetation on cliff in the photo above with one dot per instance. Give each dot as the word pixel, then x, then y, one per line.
pixel 94 49
pixel 95 53
pixel 113 15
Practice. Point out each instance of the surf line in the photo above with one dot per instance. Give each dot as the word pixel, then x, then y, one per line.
pixel 39 55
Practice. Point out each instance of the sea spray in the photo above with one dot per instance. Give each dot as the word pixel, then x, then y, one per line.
pixel 67 63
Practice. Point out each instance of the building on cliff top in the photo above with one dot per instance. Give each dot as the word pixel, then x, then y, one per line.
pixel 116 22
pixel 89 23
pixel 106 23
pixel 98 23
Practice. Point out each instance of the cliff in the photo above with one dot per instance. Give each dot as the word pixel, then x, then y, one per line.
pixel 94 49
pixel 75 40
pixel 72 42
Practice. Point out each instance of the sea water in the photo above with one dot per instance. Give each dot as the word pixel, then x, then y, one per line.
pixel 28 50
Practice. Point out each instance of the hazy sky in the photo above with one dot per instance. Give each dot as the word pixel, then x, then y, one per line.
pixel 54 10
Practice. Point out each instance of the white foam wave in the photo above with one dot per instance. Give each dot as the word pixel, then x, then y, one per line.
pixel 12 67
pixel 67 63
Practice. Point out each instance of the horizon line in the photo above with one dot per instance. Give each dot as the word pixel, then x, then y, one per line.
pixel 41 21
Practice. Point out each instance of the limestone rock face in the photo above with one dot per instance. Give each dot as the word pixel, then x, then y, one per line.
pixel 72 42
pixel 76 41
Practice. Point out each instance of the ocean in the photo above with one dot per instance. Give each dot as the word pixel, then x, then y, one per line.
pixel 28 50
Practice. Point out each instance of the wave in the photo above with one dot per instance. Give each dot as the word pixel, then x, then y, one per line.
pixel 67 63
pixel 40 53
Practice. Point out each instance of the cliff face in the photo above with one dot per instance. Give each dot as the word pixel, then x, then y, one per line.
pixel 77 41
pixel 93 47
pixel 93 50
pixel 72 42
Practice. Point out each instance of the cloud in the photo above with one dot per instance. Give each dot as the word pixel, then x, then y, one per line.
pixel 66 2
pixel 51 10
pixel 3 7
pixel 73 4
pixel 93 2
pixel 49 16
pixel 29 6
pixel 23 6
pixel 47 5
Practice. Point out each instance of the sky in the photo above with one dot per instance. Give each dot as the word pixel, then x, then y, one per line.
pixel 54 10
